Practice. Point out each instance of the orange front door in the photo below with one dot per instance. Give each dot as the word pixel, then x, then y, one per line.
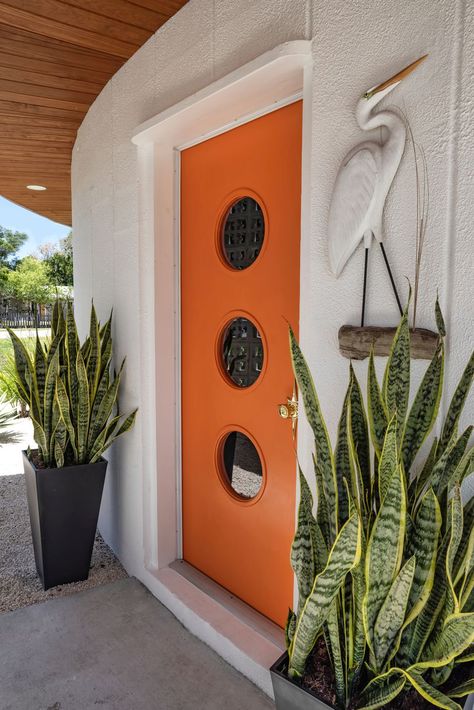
pixel 240 237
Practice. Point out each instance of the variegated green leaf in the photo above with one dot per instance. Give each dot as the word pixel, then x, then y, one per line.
pixel 384 551
pixel 341 459
pixel 439 676
pixel 377 412
pixel 290 627
pixel 40 370
pixel 64 407
pixel 457 404
pixel 389 458
pixel 453 473
pixel 433 695
pixel 439 319
pixel 382 690
pixel 463 553
pixel 459 691
pixel 308 544
pixel 336 653
pixel 392 613
pixel 360 431
pixel 457 635
pixel 48 397
pixel 424 409
pixel 420 482
pixel 93 361
pixel 343 557
pixel 83 408
pixel 396 384
pixel 455 513
pixel 324 456
pixel 127 424
pixel 423 544
pixel 322 512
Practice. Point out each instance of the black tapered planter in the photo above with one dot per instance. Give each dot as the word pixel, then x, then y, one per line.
pixel 64 506
pixel 288 694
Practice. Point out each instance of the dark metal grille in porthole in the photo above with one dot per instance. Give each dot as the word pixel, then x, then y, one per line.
pixel 242 352
pixel 243 233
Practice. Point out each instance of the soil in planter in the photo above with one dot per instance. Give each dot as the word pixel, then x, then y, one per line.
pixel 319 679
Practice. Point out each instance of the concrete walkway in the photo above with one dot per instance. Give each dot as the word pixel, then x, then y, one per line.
pixel 113 647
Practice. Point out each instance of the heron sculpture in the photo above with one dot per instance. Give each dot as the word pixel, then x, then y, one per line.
pixel 363 183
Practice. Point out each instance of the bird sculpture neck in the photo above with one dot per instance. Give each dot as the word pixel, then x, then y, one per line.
pixel 394 144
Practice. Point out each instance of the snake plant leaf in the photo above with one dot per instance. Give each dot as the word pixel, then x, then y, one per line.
pixel 464 468
pixel 358 634
pixel 324 456
pixel 439 319
pixel 440 676
pixel 332 624
pixel 459 691
pixel 322 512
pixel 392 613
pixel 127 424
pixel 424 409
pixel 72 346
pixel 359 429
pixel 304 550
pixel 376 408
pixel 83 407
pixel 23 364
pixel 439 477
pixel 384 551
pixel 39 367
pixel 427 691
pixel 427 618
pixel 49 391
pixel 457 635
pixel 93 360
pixel 382 690
pixel 456 528
pixel 343 556
pixel 420 481
pixel 290 627
pixel 423 544
pixel 105 408
pixel 457 403
pixel 462 554
pixel 467 565
pixel 454 474
pixel 341 459
pixel 466 592
pixel 389 458
pixel 396 383
pixel 55 317
pixel 40 439
pixel 54 423
pixel 64 408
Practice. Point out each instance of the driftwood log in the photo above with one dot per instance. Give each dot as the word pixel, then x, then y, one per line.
pixel 356 342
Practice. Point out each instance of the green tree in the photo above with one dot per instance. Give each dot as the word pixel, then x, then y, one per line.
pixel 10 243
pixel 30 282
pixel 59 263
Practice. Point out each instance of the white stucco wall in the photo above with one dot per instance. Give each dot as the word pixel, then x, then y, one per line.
pixel 356 43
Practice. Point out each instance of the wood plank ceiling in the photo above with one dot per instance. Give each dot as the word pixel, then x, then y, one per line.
pixel 55 57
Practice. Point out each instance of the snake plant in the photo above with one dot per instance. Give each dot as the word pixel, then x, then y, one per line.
pixel 71 393
pixel 385 567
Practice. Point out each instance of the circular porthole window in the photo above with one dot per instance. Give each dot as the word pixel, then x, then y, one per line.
pixel 243 232
pixel 242 352
pixel 242 465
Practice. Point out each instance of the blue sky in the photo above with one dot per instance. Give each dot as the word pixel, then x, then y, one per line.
pixel 39 229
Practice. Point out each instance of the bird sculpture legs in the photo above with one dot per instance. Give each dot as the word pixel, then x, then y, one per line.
pixel 364 292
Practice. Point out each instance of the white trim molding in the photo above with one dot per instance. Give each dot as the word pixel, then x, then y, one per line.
pixel 274 79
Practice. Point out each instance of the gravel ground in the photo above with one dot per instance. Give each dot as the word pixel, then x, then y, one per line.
pixel 19 582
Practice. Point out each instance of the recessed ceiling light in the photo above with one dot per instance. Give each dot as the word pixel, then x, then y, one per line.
pixel 36 187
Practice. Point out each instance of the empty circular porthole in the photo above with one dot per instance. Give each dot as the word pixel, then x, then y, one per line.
pixel 242 465
pixel 243 232
pixel 241 353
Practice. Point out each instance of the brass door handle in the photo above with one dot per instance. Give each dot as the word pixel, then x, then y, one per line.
pixel 289 410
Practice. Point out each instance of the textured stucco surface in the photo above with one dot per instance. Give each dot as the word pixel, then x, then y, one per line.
pixel 355 45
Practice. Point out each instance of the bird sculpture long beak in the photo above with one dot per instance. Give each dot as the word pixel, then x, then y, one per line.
pixel 394 79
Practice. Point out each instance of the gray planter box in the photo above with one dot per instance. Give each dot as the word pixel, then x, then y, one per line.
pixel 290 696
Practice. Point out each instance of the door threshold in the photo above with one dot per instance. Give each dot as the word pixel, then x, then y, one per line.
pixel 242 636
pixel 247 614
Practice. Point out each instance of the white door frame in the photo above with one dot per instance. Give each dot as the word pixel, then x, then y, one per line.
pixel 274 79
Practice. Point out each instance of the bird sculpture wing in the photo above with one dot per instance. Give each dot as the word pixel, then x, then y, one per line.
pixel 352 200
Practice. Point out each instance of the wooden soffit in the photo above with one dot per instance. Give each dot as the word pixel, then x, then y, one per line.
pixel 55 58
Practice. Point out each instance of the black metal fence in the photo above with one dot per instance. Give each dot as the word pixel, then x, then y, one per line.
pixel 21 316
